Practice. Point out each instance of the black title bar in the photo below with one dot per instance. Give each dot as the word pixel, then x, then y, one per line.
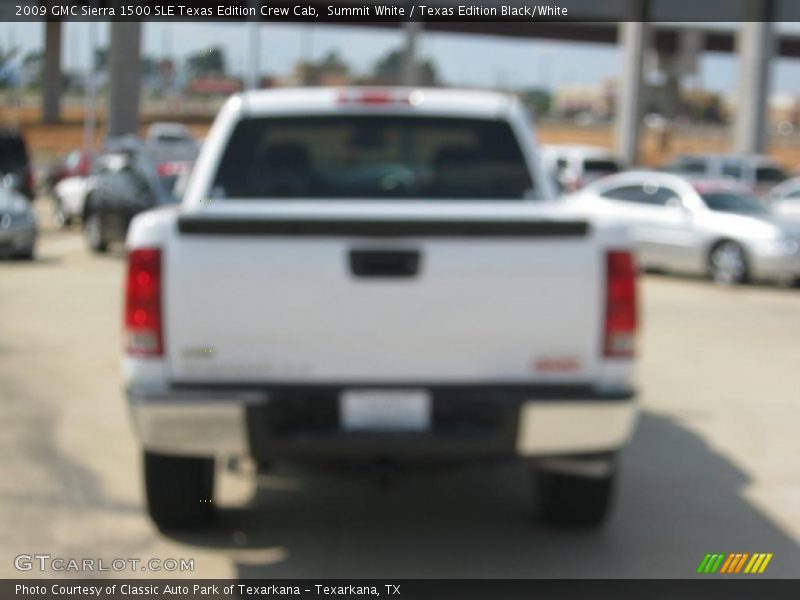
pixel 398 11
pixel 705 588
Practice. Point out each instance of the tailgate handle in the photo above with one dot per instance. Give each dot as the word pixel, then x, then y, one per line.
pixel 384 263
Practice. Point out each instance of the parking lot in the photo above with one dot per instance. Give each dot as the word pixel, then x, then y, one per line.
pixel 714 467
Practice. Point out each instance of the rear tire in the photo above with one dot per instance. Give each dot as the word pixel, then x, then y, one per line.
pixel 727 263
pixel 93 230
pixel 179 491
pixel 25 254
pixel 573 500
pixel 60 218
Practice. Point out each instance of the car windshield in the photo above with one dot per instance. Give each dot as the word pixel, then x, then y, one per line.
pixel 171 138
pixel 769 175
pixel 733 202
pixel 372 157
pixel 601 166
pixel 684 165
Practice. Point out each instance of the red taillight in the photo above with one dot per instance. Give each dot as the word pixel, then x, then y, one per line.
pixel 374 96
pixel 143 303
pixel 620 326
pixel 172 167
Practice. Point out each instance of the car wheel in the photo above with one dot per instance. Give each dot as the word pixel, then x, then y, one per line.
pixel 93 230
pixel 727 263
pixel 60 218
pixel 25 253
pixel 567 500
pixel 179 491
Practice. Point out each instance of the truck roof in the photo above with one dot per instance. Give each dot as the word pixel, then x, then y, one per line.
pixel 457 102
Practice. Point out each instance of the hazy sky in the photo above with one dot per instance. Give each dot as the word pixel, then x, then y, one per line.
pixel 462 60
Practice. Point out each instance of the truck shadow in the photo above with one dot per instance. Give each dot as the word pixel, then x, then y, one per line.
pixel 678 500
pixel 702 280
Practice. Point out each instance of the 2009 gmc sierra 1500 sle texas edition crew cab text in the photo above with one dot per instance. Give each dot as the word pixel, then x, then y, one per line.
pixel 377 274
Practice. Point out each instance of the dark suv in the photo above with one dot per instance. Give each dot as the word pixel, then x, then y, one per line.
pixel 14 161
pixel 125 184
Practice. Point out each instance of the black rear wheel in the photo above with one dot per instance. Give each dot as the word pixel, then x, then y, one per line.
pixel 95 236
pixel 25 253
pixel 61 218
pixel 179 491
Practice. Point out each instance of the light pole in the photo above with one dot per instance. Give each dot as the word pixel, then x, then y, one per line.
pixel 410 74
pixel 90 107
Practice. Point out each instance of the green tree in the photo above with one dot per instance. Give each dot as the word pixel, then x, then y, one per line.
pixel 389 69
pixel 333 63
pixel 539 100
pixel 210 61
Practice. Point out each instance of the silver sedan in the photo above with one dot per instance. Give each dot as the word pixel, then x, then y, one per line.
pixel 17 223
pixel 785 199
pixel 708 227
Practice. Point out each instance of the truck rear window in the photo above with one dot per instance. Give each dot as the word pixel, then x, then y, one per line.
pixel 372 157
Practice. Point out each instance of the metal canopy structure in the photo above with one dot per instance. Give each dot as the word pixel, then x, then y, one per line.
pixel 753 38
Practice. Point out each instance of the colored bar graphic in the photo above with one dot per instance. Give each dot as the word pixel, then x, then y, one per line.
pixel 752 563
pixel 741 561
pixel 757 564
pixel 717 563
pixel 702 566
pixel 728 563
pixel 733 562
pixel 710 563
pixel 765 563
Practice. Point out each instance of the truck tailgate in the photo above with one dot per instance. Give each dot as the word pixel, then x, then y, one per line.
pixel 381 299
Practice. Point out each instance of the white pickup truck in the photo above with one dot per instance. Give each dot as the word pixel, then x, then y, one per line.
pixel 369 274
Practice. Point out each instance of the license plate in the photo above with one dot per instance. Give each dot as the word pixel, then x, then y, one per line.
pixel 385 410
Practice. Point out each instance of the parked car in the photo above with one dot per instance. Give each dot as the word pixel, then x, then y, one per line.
pixel 174 176
pixel 377 275
pixel 69 194
pixel 758 172
pixel 14 161
pixel 573 167
pixel 17 221
pixel 77 163
pixel 134 184
pixel 712 227
pixel 785 199
pixel 171 142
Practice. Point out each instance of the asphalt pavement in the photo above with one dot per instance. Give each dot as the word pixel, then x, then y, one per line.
pixel 714 466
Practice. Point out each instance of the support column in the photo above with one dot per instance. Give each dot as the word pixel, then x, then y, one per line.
pixel 124 75
pixel 634 39
pixel 253 79
pixel 410 75
pixel 756 44
pixel 51 74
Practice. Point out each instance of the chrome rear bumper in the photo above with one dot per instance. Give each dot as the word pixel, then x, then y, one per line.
pixel 232 423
